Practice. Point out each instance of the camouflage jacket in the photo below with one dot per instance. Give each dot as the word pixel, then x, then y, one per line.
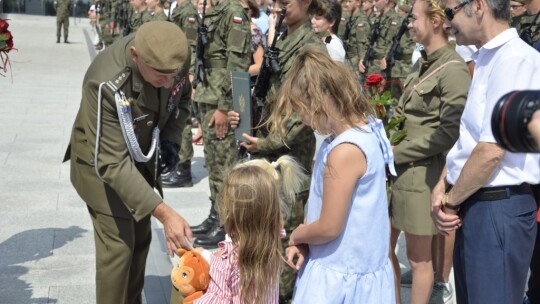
pixel 62 8
pixel 228 49
pixel 528 27
pixel 299 140
pixel 136 20
pixel 186 17
pixel 390 22
pixel 153 16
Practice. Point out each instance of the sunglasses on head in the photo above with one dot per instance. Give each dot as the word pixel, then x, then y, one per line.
pixel 451 12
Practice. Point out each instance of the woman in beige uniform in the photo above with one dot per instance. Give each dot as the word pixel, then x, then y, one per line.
pixel 433 100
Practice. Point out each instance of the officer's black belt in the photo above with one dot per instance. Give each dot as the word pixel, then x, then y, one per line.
pixel 500 193
pixel 215 64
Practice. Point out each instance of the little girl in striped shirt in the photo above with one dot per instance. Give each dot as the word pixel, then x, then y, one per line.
pixel 253 207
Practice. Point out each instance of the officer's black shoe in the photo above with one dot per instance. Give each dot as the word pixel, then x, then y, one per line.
pixel 205 227
pixel 178 178
pixel 58 40
pixel 210 240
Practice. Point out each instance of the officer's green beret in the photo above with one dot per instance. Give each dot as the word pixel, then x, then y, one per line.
pixel 161 45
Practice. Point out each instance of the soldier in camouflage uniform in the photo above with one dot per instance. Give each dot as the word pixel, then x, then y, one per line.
pixel 528 24
pixel 62 18
pixel 154 11
pixel 349 36
pixel 228 49
pixel 186 17
pixel 137 14
pixel 361 31
pixel 299 141
pixel 106 21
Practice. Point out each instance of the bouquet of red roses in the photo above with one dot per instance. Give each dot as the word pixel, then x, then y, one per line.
pixel 382 100
pixel 6 45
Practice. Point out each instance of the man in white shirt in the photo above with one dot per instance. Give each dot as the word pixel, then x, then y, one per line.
pixel 496 224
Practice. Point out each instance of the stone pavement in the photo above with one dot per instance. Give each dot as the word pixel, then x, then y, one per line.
pixel 46 238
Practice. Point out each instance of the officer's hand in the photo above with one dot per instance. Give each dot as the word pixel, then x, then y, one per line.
pixel 361 67
pixel 250 144
pixel 220 123
pixel 177 231
pixel 383 63
pixel 234 119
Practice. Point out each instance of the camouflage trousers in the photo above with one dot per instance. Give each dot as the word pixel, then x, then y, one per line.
pixel 62 21
pixel 219 154
pixel 287 278
pixel 186 144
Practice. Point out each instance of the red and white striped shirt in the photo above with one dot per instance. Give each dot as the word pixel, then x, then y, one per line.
pixel 224 285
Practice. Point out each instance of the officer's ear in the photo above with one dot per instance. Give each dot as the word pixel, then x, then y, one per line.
pixel 134 55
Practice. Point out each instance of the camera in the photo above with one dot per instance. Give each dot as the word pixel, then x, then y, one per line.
pixel 511 115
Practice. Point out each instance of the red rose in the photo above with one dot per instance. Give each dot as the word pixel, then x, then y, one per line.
pixel 3 25
pixel 374 80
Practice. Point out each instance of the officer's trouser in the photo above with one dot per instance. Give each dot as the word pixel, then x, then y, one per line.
pixel 122 246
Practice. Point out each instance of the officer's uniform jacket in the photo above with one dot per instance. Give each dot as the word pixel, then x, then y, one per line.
pixel 126 188
pixel 228 49
pixel 187 18
pixel 433 110
pixel 390 22
pixel 360 33
pixel 299 140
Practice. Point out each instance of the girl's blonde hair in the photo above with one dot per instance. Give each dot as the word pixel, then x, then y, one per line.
pixel 254 201
pixel 314 83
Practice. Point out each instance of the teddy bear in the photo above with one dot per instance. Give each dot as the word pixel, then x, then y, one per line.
pixel 191 275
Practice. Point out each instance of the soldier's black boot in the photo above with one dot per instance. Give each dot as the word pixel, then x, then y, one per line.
pixel 65 40
pixel 58 40
pixel 181 177
pixel 210 222
pixel 212 238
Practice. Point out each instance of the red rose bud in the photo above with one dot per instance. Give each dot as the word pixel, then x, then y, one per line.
pixel 374 80
pixel 3 25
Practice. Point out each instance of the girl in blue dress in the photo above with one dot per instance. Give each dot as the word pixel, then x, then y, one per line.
pixel 342 250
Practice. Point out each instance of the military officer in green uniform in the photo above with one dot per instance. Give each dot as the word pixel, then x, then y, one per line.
pixel 528 24
pixel 299 140
pixel 228 49
pixel 62 18
pixel 360 33
pixel 186 17
pixel 134 100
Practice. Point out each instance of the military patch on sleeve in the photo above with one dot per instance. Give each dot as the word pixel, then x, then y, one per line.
pixel 191 20
pixel 343 19
pixel 360 25
pixel 393 23
pixel 237 19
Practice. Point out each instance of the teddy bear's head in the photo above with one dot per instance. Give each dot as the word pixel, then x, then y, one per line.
pixel 191 275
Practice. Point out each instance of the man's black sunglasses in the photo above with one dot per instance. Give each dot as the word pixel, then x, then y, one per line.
pixel 451 12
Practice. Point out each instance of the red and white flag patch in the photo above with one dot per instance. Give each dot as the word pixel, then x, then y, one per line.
pixel 191 20
pixel 393 23
pixel 237 19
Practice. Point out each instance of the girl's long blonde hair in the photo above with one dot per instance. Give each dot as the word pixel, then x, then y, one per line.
pixel 254 201
pixel 314 84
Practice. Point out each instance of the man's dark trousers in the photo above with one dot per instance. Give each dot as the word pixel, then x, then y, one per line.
pixel 493 249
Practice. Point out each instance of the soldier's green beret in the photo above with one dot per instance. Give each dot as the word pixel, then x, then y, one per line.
pixel 161 45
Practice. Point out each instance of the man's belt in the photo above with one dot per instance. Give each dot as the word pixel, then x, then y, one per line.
pixel 500 193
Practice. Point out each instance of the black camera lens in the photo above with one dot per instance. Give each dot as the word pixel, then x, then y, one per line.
pixel 509 121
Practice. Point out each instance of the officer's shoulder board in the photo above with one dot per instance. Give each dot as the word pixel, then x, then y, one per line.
pixel 119 79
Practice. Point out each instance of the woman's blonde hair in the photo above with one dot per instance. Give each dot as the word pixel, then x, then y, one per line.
pixel 254 201
pixel 434 9
pixel 314 83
